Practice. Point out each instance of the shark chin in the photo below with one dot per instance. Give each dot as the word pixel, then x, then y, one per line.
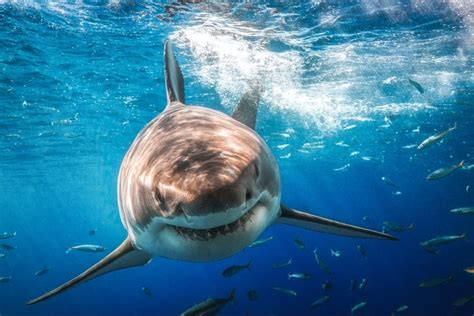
pixel 211 243
pixel 199 185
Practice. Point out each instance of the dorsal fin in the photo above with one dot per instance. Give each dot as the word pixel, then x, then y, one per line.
pixel 173 77
pixel 246 111
pixel 125 256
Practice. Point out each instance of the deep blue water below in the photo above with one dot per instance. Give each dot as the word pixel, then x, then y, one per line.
pixel 80 79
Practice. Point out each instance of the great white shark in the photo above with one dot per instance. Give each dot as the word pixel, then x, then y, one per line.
pixel 199 185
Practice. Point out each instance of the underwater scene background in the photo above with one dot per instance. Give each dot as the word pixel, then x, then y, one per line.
pixel 349 90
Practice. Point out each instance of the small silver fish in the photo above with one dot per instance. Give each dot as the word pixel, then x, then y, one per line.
pixel 87 248
pixel 402 308
pixel 320 301
pixel 342 168
pixel 146 291
pixel 389 182
pixel 442 240
pixel 435 282
pixel 42 271
pixel 443 172
pixel 7 247
pixel 282 265
pixel 363 284
pixel 397 227
pixel 232 270
pixel 209 307
pixel 299 243
pixel 301 276
pixel 436 138
pixel 260 242
pixel 2 255
pixel 463 210
pixel 6 235
pixel 286 291
pixel 320 262
pixel 5 279
pixel 362 250
pixel 463 301
pixel 357 307
pixel 336 253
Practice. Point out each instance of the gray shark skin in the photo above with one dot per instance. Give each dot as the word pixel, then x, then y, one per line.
pixel 199 185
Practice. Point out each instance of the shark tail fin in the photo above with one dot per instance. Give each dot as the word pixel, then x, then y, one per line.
pixel 410 227
pixel 248 265
pixel 316 223
pixel 461 164
pixel 454 126
pixel 173 76
pixel 124 256
pixel 232 296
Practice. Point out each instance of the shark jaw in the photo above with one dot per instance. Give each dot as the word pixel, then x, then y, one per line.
pixel 217 241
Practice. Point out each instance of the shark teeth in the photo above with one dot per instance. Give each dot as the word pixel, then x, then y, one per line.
pixel 211 233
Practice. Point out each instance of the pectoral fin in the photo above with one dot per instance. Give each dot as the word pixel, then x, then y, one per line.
pixel 246 111
pixel 312 222
pixel 125 256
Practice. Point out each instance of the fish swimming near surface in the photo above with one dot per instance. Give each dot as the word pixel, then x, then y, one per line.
pixel 463 301
pixel 433 139
pixel 7 247
pixel 357 307
pixel 443 172
pixel 463 210
pixel 282 265
pixel 232 270
pixel 441 241
pixel 5 279
pixel 86 248
pixel 260 242
pixel 42 271
pixel 397 227
pixel 7 235
pixel 320 262
pixel 209 307
pixel 416 85
pixel 320 301
pixel 199 185
pixel 431 283
pixel 286 291
pixel 300 276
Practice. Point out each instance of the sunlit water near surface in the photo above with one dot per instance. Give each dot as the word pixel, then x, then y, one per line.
pixel 78 81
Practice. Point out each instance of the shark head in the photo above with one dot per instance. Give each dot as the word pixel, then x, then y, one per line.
pixel 197 185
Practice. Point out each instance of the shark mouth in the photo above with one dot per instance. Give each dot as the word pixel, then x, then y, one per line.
pixel 211 233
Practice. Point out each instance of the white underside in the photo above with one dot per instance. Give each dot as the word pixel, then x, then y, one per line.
pixel 161 239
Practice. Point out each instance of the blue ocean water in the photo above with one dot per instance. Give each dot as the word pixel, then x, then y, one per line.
pixel 79 80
